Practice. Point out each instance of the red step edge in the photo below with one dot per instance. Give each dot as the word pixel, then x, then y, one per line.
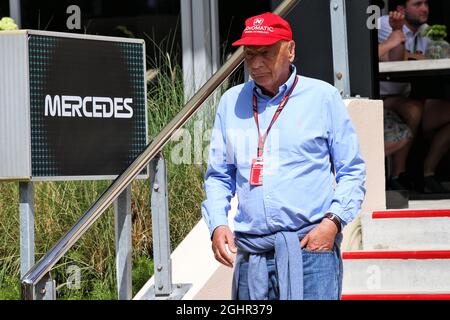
pixel 355 255
pixel 410 214
pixel 396 296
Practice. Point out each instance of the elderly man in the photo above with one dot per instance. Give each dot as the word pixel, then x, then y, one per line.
pixel 286 145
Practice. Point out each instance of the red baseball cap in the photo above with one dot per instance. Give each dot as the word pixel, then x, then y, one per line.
pixel 264 30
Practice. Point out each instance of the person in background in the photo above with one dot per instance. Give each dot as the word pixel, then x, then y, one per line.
pixel 400 38
pixel 396 133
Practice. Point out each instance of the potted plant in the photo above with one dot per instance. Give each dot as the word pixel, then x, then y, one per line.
pixel 7 23
pixel 437 47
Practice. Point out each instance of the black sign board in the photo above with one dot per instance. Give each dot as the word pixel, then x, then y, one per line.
pixel 87 106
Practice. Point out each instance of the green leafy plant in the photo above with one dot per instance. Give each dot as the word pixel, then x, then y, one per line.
pixel 435 32
pixel 7 23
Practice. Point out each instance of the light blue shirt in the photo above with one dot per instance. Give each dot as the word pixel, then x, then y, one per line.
pixel 312 138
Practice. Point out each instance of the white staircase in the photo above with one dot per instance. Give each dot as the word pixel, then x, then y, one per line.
pixel 406 255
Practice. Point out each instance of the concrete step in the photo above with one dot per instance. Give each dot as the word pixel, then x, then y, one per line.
pixel 396 272
pixel 406 230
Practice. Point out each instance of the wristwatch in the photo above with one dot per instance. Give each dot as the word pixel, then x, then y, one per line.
pixel 337 221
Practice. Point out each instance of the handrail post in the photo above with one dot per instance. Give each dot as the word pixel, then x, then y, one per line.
pixel 163 287
pixel 160 229
pixel 44 289
pixel 122 214
pixel 26 212
pixel 340 47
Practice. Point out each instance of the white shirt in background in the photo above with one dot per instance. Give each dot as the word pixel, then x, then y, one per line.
pixel 415 43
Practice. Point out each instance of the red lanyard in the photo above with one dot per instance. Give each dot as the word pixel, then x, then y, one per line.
pixel 262 139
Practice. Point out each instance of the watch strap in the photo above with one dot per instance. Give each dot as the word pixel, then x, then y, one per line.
pixel 337 221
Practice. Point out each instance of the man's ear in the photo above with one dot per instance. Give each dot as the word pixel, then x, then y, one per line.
pixel 291 48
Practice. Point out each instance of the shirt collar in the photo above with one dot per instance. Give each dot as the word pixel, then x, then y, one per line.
pixel 407 30
pixel 282 88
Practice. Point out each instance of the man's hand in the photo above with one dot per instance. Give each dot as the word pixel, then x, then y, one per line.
pixel 221 237
pixel 415 56
pixel 396 20
pixel 321 238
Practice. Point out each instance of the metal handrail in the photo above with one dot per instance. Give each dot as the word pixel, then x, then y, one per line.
pixel 46 263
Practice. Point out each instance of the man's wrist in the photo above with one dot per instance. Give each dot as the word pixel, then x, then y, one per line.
pixel 390 44
pixel 335 219
pixel 217 227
